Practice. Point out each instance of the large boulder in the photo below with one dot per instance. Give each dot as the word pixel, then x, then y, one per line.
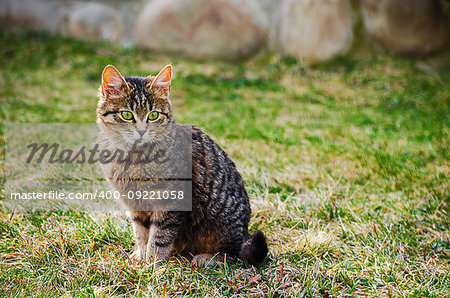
pixel 407 27
pixel 34 14
pixel 272 10
pixel 314 30
pixel 203 28
pixel 95 21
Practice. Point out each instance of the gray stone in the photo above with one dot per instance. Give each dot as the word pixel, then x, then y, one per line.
pixel 272 11
pixel 203 28
pixel 314 30
pixel 34 14
pixel 95 21
pixel 407 27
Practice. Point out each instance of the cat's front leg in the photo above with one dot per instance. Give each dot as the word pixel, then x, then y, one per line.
pixel 161 236
pixel 141 224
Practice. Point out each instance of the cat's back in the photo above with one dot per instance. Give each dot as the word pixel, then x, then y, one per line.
pixel 216 181
pixel 220 205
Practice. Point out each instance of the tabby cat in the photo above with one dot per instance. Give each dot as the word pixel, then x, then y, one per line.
pixel 218 223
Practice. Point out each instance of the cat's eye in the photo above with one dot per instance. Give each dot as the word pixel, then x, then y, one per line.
pixel 153 116
pixel 126 115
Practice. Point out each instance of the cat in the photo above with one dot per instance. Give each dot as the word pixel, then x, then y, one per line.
pixel 217 226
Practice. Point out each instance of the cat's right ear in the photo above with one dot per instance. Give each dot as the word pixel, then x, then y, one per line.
pixel 112 81
pixel 161 83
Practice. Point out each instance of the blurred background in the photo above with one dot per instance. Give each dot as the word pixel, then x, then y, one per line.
pixel 232 29
pixel 335 112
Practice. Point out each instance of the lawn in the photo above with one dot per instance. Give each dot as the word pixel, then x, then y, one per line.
pixel 346 164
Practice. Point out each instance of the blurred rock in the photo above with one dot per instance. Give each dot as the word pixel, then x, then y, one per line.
pixel 35 14
pixel 203 28
pixel 314 30
pixel 407 27
pixel 95 21
pixel 272 11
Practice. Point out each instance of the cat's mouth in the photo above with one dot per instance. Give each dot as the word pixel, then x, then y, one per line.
pixel 134 137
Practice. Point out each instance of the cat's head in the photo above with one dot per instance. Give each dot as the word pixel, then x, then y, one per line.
pixel 139 104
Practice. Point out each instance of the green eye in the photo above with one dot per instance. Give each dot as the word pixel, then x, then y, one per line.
pixel 127 115
pixel 153 116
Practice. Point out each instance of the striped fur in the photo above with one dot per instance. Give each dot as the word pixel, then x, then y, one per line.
pixel 218 222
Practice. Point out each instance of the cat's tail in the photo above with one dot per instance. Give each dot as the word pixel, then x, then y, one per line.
pixel 254 249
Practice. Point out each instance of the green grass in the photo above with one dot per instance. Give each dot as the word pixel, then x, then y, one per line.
pixel 346 164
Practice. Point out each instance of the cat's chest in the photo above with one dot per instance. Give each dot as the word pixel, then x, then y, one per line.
pixel 134 170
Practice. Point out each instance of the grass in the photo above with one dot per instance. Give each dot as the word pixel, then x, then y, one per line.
pixel 346 164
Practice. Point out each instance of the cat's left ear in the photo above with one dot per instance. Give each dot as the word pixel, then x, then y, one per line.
pixel 161 83
pixel 112 81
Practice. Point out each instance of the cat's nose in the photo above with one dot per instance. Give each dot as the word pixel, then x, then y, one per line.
pixel 141 131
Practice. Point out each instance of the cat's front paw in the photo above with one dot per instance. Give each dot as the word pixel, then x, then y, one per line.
pixel 137 256
pixel 152 258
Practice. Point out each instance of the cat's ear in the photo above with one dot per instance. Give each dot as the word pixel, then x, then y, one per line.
pixel 161 83
pixel 112 81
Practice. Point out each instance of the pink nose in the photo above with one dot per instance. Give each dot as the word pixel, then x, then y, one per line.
pixel 141 131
